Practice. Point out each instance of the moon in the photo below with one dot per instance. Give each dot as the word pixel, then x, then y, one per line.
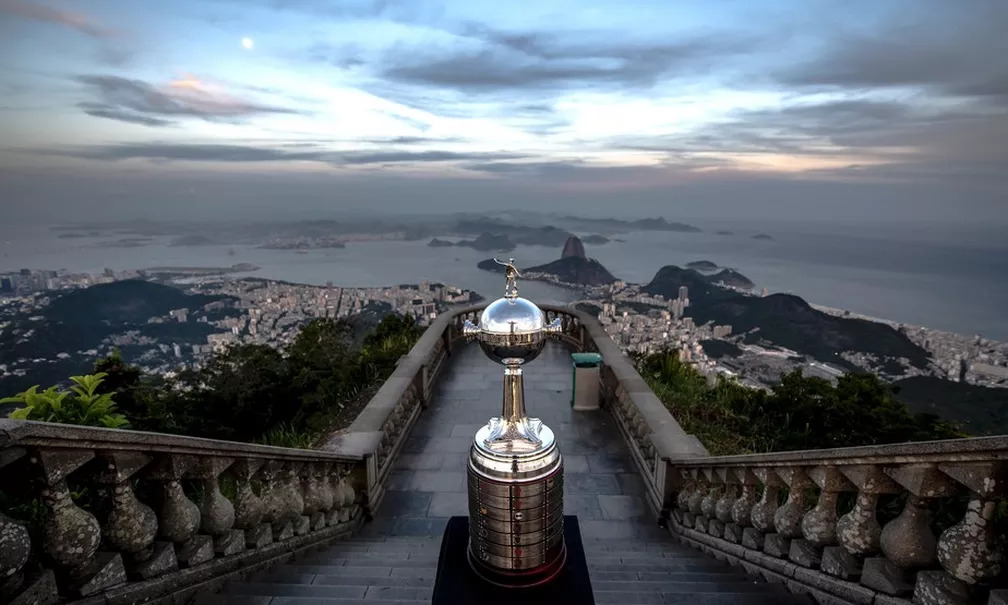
pixel 247 43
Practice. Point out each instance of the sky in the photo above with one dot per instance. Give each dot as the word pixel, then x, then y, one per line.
pixel 863 110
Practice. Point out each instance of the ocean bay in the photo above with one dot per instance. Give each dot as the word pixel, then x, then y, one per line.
pixel 956 287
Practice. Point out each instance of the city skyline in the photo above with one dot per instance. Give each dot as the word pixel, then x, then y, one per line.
pixel 897 108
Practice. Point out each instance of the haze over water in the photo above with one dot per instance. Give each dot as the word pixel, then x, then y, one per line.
pixel 936 280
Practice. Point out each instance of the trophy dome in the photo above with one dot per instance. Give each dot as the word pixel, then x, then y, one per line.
pixel 512 329
pixel 512 316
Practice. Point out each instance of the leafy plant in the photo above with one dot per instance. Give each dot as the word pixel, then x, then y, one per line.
pixel 81 404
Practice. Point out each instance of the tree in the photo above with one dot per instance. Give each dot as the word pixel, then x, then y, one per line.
pixel 81 404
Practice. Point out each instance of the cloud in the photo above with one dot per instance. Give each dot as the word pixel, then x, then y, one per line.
pixel 941 49
pixel 502 62
pixel 46 14
pixel 245 153
pixel 138 102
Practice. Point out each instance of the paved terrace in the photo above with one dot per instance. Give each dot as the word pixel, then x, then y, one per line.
pixel 428 484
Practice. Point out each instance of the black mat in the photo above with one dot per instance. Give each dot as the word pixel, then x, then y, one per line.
pixel 458 584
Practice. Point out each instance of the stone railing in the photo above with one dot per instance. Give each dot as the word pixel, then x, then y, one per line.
pixel 735 508
pixel 129 516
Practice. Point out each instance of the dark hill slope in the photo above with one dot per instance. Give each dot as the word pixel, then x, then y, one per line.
pixel 978 410
pixel 784 320
pixel 577 270
pixel 81 319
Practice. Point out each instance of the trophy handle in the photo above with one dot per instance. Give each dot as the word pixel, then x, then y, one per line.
pixel 470 330
pixel 554 328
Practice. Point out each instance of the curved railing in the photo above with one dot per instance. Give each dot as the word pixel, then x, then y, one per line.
pixel 733 505
pixel 104 539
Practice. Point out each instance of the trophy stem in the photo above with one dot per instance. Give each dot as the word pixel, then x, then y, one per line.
pixel 513 410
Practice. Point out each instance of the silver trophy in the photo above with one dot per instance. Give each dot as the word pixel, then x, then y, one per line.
pixel 515 469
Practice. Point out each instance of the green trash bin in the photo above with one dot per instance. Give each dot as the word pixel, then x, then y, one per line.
pixel 585 392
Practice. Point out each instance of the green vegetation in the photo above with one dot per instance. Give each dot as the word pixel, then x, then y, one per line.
pixel 81 404
pixel 981 410
pixel 800 413
pixel 292 397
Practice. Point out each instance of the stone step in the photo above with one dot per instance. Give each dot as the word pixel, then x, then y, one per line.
pixel 362 570
pixel 726 575
pixel 353 577
pixel 688 565
pixel 687 587
pixel 388 559
pixel 318 591
pixel 685 598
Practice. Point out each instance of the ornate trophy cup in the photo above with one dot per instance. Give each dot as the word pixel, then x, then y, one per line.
pixel 515 470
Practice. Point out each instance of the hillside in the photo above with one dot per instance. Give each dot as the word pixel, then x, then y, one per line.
pixel 733 278
pixel 576 270
pixel 784 320
pixel 79 320
pixel 978 410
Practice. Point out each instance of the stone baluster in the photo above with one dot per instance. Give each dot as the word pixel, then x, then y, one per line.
pixel 71 534
pixel 325 490
pixel 314 505
pixel 16 549
pixel 696 498
pixel 275 505
pixel 131 525
pixel 687 486
pixel 762 515
pixel 217 513
pixel 349 501
pixel 179 517
pixel 819 525
pixel 248 507
pixel 788 518
pixel 858 532
pixel 295 498
pixel 967 551
pixel 741 509
pixel 907 541
pixel 709 502
pixel 723 506
pixel 332 479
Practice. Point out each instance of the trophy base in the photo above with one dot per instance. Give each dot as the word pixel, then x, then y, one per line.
pixel 526 578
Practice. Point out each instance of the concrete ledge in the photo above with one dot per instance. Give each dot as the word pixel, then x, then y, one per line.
pixel 823 588
pixel 918 452
pixel 14 433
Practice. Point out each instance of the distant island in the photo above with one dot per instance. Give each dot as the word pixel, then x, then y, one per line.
pixel 613 225
pixel 595 239
pixel 762 236
pixel 440 243
pixel 573 268
pixel 702 265
pixel 489 242
pixel 724 232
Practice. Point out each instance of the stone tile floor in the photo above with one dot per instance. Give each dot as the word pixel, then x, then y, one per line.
pixel 428 483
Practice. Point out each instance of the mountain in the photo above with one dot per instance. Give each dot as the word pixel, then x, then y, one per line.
pixel 490 265
pixel 784 320
pixel 573 248
pixel 702 265
pixel 490 242
pixel 733 278
pixel 576 270
pixel 660 224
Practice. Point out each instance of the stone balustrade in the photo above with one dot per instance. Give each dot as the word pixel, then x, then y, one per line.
pixel 129 516
pixel 734 507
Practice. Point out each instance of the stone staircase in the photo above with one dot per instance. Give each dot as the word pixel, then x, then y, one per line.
pixel 401 569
